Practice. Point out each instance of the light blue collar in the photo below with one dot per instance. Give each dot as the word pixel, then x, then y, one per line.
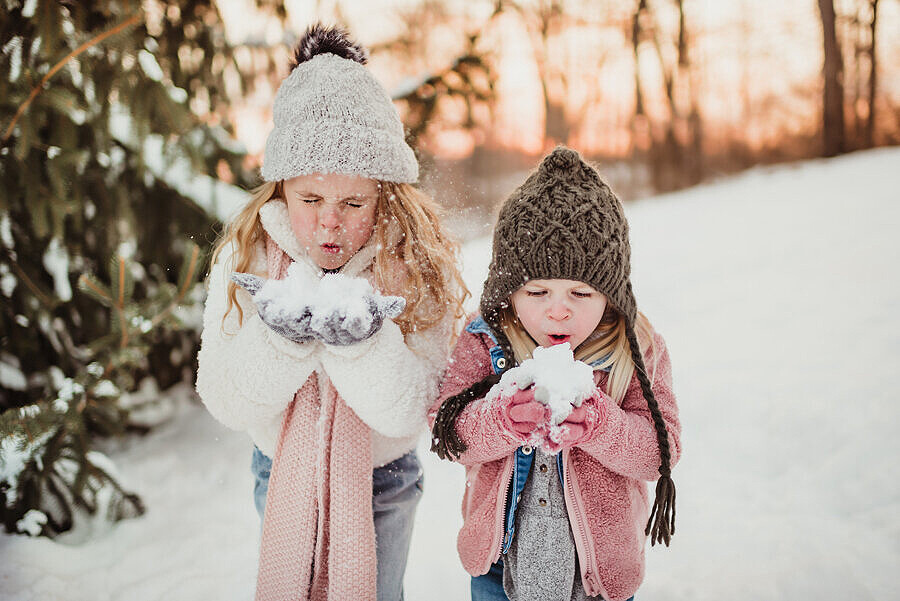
pixel 480 326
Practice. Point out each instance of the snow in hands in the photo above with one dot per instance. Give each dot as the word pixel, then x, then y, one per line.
pixel 559 381
pixel 335 308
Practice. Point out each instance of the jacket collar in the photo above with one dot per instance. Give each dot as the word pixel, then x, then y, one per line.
pixel 277 223
pixel 479 326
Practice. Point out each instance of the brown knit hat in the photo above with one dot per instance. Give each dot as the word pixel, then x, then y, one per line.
pixel 564 222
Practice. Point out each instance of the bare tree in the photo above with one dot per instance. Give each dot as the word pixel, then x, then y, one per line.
pixel 544 23
pixel 833 96
pixel 869 133
pixel 467 79
pixel 673 147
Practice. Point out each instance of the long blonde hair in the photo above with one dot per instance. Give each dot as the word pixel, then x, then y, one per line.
pixel 415 258
pixel 608 341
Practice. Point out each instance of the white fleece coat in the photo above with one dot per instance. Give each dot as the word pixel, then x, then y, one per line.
pixel 248 374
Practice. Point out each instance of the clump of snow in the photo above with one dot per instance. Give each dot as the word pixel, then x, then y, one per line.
pixel 142 323
pixel 32 522
pixel 28 8
pixel 16 451
pixel 346 297
pixel 8 281
pixel 13 49
pixel 69 390
pixel 105 388
pixel 333 295
pixel 103 462
pixel 11 375
pixel 149 65
pixel 559 381
pixel 95 369
pixel 6 230
pixel 56 262
pixel 29 411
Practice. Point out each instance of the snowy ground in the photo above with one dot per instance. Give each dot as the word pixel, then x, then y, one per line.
pixel 775 294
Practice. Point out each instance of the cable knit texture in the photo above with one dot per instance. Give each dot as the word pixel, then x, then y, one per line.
pixel 563 222
pixel 605 476
pixel 318 539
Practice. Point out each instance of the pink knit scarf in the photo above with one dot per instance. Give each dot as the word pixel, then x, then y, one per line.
pixel 318 539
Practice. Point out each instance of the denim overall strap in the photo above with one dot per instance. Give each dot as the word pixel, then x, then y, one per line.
pixel 524 454
pixel 480 326
pixel 524 459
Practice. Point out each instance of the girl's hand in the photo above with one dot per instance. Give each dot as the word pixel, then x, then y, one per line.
pixel 580 426
pixel 294 327
pixel 522 415
pixel 340 329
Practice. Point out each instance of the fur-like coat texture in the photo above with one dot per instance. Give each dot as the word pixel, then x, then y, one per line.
pixel 605 478
pixel 248 375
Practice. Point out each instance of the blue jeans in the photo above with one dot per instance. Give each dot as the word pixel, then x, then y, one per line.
pixel 396 490
pixel 489 587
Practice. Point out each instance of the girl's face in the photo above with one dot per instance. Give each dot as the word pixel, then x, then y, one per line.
pixel 557 311
pixel 332 215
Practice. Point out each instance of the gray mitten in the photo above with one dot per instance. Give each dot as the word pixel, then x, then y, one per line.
pixel 293 325
pixel 342 328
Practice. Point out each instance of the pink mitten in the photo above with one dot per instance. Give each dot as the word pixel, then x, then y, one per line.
pixel 579 427
pixel 522 415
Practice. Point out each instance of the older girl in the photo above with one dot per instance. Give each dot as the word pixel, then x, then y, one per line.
pixel 339 410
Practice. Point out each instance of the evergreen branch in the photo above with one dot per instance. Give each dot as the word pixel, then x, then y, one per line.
pixel 85 282
pixel 124 326
pixel 44 299
pixel 37 89
pixel 121 267
pixel 188 277
pixel 118 264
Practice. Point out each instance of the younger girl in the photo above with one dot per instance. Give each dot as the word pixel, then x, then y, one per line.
pixel 340 411
pixel 542 525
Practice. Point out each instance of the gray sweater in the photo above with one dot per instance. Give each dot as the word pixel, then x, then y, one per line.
pixel 541 564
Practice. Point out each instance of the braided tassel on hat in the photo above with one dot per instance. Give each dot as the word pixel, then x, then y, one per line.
pixel 661 524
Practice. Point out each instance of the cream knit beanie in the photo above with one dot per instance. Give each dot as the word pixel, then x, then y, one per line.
pixel 332 116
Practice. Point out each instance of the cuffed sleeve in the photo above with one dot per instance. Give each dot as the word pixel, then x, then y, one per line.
pixel 385 381
pixel 479 425
pixel 247 374
pixel 627 444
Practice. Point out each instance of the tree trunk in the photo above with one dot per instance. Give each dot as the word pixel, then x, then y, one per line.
pixel 869 136
pixel 833 99
pixel 635 42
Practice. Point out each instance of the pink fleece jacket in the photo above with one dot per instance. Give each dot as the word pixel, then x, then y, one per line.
pixel 605 478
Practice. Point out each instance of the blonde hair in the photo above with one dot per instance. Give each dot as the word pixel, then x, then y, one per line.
pixel 415 258
pixel 608 341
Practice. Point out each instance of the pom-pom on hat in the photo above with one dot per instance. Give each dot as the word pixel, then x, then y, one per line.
pixel 332 116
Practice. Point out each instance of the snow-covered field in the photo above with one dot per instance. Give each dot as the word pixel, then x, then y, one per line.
pixel 775 293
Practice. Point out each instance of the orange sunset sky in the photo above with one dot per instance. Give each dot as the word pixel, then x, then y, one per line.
pixel 757 66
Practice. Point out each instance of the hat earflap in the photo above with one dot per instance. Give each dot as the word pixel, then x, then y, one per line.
pixel 661 523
